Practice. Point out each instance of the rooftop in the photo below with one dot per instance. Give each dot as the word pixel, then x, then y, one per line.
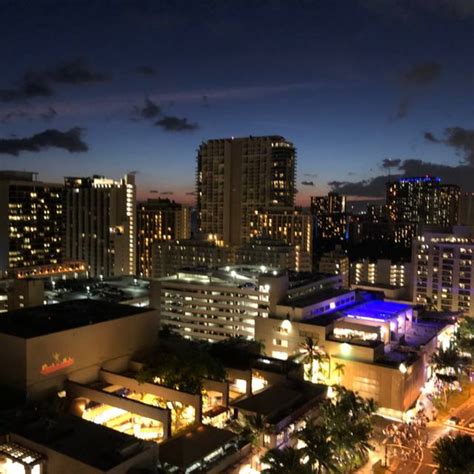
pixel 377 310
pixel 185 450
pixel 278 402
pixel 48 319
pixel 87 442
pixel 315 297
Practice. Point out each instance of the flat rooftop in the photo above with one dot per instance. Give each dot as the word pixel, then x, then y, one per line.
pixel 185 450
pixel 315 298
pixel 51 318
pixel 377 309
pixel 278 402
pixel 87 442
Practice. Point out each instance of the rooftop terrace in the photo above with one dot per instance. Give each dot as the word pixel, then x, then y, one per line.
pixel 48 319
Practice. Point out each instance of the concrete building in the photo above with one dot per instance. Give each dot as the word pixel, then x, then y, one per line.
pixel 158 220
pixel 100 224
pixel 381 272
pixel 290 225
pixel 371 346
pixel 170 257
pixel 421 200
pixel 217 304
pixel 45 345
pixel 443 266
pixel 25 293
pixel 31 218
pixel 33 444
pixel 54 271
pixel 235 176
pixel 336 262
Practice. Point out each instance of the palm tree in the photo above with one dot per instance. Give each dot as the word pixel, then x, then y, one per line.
pixel 253 428
pixel 339 370
pixel 454 455
pixel 284 461
pixel 311 354
pixel 319 448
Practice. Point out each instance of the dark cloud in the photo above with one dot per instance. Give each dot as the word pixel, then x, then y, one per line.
pixel 205 101
pixel 176 124
pixel 191 193
pixel 403 108
pixel 77 71
pixel 307 183
pixel 14 115
pixel 422 74
pixel 462 175
pixel 71 141
pixel 31 85
pixel 167 193
pixel 153 191
pixel 39 83
pixel 461 139
pixel 311 175
pixel 391 163
pixel 49 114
pixel 149 110
pixel 146 70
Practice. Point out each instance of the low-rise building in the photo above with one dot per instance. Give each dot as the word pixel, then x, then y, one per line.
pixel 336 262
pixel 371 346
pixel 216 304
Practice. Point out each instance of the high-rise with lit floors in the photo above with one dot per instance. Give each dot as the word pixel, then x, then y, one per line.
pixel 100 224
pixel 31 214
pixel 235 176
pixel 444 270
pixel 158 220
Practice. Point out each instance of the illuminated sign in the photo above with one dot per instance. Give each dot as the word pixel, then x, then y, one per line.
pixel 57 364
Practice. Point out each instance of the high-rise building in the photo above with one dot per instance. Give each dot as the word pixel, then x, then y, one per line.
pixel 466 209
pixel 332 220
pixel 423 200
pixel 292 226
pixel 444 270
pixel 157 220
pixel 31 214
pixel 235 176
pixel 100 224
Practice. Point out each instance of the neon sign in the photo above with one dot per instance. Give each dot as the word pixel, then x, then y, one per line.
pixel 57 364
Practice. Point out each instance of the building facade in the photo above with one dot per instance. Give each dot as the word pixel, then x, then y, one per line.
pixel 235 176
pixel 216 304
pixel 290 225
pixel 443 270
pixel 421 200
pixel 31 217
pixel 381 272
pixel 100 224
pixel 336 262
pixel 158 220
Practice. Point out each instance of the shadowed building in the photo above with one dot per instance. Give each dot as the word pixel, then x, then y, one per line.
pixel 31 216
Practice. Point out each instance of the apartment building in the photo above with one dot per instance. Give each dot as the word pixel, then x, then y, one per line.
pixel 293 226
pixel 235 176
pixel 336 262
pixel 443 270
pixel 159 220
pixel 100 224
pixel 31 217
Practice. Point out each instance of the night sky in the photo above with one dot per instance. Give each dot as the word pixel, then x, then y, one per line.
pixel 362 88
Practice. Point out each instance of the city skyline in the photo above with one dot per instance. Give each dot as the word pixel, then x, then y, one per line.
pixel 361 91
